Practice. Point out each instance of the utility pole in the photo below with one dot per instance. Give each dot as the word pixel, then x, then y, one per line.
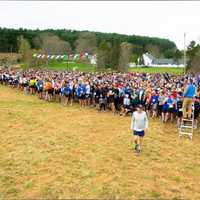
pixel 184 53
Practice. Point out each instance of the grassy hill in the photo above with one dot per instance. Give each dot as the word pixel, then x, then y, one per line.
pixel 49 151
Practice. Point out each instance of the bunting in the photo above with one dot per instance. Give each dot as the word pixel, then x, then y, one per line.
pixel 65 57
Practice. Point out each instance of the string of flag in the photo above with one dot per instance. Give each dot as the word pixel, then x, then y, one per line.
pixel 64 56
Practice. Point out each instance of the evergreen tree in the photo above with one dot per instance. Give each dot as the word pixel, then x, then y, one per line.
pixel 177 56
pixel 25 52
pixel 115 54
pixel 193 57
pixel 103 55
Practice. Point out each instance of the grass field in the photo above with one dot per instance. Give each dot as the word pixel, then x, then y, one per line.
pixel 70 66
pixel 171 70
pixel 62 65
pixel 49 151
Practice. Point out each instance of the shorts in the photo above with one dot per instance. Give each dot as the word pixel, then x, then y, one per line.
pixel 159 109
pixel 57 91
pixel 40 90
pixel 179 114
pixel 96 99
pixel 87 96
pixel 148 106
pixel 25 84
pixel 170 110
pixel 83 96
pixel 50 91
pixel 196 114
pixel 164 110
pixel 67 95
pixel 154 106
pixel 111 100
pixel 139 133
pixel 126 107
pixel 32 86
pixel 15 82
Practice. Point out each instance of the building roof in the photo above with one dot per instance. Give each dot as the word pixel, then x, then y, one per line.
pixel 163 61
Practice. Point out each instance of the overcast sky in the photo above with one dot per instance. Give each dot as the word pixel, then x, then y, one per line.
pixel 160 19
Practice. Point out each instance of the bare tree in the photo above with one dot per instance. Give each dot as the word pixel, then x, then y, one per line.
pixel 125 56
pixel 195 63
pixel 52 44
pixel 153 49
pixel 193 57
pixel 86 42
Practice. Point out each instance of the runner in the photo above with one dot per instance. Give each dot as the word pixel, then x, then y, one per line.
pixel 39 85
pixel 189 94
pixel 139 125
pixel 159 93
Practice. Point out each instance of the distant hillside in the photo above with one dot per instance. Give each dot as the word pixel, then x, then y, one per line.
pixel 8 40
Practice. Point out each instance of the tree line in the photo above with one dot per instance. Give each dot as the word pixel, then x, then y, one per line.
pixel 159 46
pixel 113 50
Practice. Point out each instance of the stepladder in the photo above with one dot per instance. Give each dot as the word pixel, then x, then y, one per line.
pixel 187 126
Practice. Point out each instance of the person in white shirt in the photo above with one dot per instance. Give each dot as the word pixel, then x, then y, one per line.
pixel 126 105
pixel 139 125
pixel 88 88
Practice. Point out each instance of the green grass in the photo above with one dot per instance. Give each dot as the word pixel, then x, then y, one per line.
pixel 62 65
pixel 177 71
pixel 48 151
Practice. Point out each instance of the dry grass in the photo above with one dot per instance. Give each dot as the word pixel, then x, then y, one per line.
pixel 47 151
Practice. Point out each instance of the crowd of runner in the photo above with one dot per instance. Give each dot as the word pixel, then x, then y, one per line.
pixel 160 94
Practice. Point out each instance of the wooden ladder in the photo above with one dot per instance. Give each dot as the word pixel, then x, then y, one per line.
pixel 187 126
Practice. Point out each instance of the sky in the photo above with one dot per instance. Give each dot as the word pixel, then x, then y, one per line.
pixel 165 19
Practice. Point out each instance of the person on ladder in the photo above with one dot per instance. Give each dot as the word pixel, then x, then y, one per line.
pixel 189 94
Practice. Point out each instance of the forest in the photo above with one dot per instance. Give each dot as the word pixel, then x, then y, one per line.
pixel 157 46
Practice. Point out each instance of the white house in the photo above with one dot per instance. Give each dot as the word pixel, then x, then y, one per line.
pixel 149 60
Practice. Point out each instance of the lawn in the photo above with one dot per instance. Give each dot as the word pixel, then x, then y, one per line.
pixel 63 65
pixel 171 70
pixel 49 151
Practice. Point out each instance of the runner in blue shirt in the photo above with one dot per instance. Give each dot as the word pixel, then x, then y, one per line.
pixel 80 94
pixel 170 110
pixel 39 86
pixel 66 92
pixel 164 110
pixel 154 104
pixel 83 86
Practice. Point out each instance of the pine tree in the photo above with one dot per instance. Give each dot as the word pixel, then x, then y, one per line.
pixel 115 54
pixel 103 55
pixel 25 52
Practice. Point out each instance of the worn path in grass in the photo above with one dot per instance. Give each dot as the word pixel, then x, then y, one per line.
pixel 48 151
